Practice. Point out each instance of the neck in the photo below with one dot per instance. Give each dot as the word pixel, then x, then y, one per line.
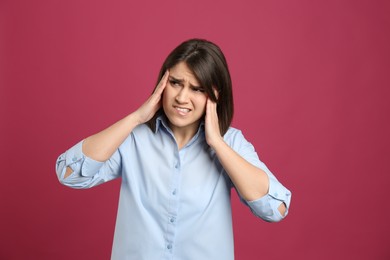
pixel 184 134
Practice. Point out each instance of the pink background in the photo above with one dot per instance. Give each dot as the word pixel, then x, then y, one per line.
pixel 311 83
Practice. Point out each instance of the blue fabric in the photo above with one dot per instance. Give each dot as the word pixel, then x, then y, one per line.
pixel 174 204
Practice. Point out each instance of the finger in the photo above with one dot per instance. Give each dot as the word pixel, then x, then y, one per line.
pixel 216 92
pixel 211 117
pixel 211 108
pixel 163 82
pixel 155 98
pixel 208 109
pixel 213 104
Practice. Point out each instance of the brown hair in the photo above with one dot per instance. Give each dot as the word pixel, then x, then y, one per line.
pixel 209 66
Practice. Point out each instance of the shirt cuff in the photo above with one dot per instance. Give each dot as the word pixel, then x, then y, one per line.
pixel 75 156
pixel 279 192
pixel 266 207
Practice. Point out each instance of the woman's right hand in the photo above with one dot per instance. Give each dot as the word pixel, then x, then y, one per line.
pixel 101 146
pixel 145 112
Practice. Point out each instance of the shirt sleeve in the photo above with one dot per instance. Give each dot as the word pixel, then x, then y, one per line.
pixel 87 172
pixel 265 207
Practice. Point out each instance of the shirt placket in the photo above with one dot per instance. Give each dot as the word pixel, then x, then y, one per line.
pixel 173 211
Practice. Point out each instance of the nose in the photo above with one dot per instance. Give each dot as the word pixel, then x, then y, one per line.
pixel 182 95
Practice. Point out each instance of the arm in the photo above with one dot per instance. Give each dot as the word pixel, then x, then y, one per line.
pixel 251 182
pixel 101 146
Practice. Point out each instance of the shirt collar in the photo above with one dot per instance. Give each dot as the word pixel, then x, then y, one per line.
pixel 162 121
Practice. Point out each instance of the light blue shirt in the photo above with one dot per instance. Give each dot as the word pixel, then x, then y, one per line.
pixel 174 204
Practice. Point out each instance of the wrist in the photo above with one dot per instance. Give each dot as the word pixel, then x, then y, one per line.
pixel 217 143
pixel 134 119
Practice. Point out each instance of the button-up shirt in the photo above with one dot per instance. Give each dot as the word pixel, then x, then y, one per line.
pixel 173 204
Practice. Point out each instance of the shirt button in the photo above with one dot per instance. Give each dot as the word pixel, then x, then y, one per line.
pixel 177 166
pixel 174 192
pixel 74 159
pixel 172 220
pixel 169 246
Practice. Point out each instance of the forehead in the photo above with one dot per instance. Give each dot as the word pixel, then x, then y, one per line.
pixel 181 72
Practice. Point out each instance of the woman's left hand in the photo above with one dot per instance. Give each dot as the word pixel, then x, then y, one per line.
pixel 213 134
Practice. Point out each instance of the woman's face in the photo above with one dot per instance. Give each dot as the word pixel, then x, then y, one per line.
pixel 184 100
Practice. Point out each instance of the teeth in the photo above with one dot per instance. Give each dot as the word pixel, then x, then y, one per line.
pixel 185 110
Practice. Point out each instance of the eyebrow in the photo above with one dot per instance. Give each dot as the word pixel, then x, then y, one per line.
pixel 181 81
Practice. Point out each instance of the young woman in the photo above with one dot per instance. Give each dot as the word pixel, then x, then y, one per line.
pixel 178 159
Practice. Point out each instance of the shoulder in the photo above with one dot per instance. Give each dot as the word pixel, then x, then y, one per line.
pixel 232 134
pixel 234 137
pixel 142 132
pixel 139 133
pixel 142 129
pixel 236 140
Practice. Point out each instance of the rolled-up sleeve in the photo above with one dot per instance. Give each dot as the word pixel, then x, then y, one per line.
pixel 265 207
pixel 86 172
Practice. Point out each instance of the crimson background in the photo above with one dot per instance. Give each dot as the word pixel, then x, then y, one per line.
pixel 311 83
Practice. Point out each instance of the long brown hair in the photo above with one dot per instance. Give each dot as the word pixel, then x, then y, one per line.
pixel 208 64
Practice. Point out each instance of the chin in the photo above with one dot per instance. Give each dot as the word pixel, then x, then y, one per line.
pixel 178 123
